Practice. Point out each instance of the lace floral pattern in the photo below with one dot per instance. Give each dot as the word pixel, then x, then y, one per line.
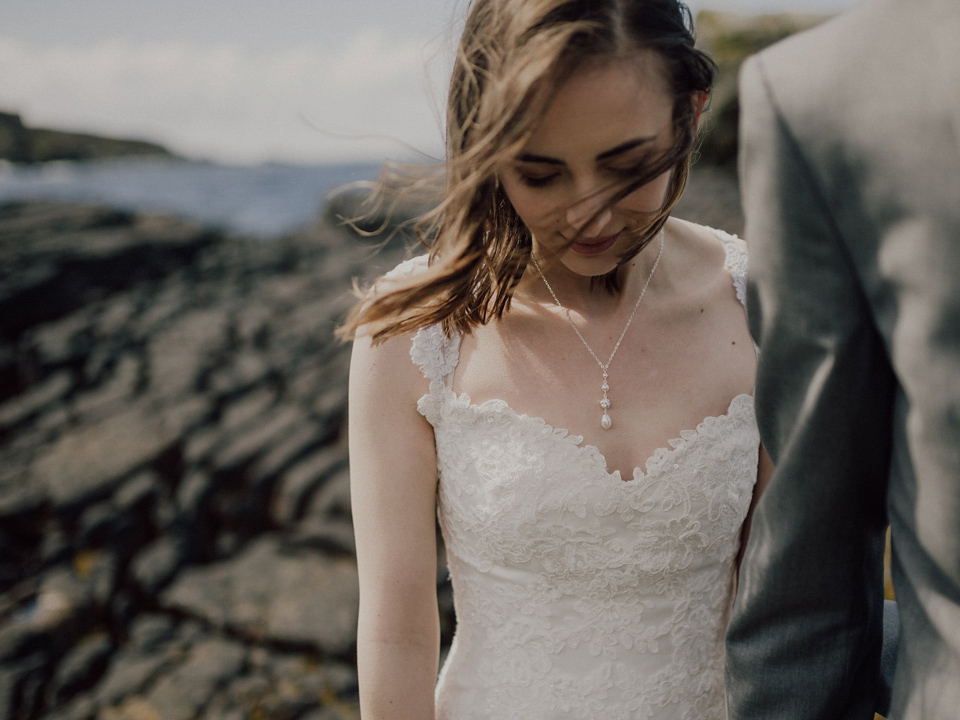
pixel 579 594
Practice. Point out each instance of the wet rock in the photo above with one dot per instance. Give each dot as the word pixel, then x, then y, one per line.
pixel 63 341
pixel 251 324
pixel 302 440
pixel 109 397
pixel 91 462
pixel 187 415
pixel 227 544
pixel 334 500
pixel 132 708
pixel 61 257
pixel 300 482
pixel 194 492
pixel 132 672
pixel 138 493
pixel 80 708
pixel 157 564
pixel 55 547
pixel 156 416
pixel 116 315
pixel 302 599
pixel 331 405
pixel 62 598
pixel 150 631
pixel 251 407
pixel 201 445
pixel 95 523
pixel 275 426
pixel 166 514
pixel 80 668
pixel 337 711
pixel 20 500
pixel 248 370
pixel 179 355
pixel 104 574
pixel 20 685
pixel 22 407
pixel 182 693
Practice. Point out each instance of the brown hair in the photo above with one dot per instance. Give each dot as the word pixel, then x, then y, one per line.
pixel 512 57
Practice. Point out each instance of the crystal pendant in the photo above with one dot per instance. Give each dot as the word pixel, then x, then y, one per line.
pixel 606 422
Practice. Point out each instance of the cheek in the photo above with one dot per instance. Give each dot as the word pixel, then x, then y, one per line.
pixel 649 198
pixel 533 207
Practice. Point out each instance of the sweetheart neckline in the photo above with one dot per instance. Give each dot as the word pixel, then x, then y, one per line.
pixel 564 435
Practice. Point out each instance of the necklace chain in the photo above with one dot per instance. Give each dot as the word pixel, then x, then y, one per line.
pixel 605 421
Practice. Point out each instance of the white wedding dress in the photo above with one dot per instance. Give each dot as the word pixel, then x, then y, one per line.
pixel 579 594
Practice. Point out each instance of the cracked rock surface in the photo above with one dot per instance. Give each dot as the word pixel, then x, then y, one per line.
pixel 172 403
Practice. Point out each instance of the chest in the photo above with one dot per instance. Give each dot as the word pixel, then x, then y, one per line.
pixel 676 366
pixel 514 490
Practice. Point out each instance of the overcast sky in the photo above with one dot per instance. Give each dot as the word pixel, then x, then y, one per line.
pixel 247 81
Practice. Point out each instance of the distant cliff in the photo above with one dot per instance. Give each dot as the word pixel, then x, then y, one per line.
pixel 22 144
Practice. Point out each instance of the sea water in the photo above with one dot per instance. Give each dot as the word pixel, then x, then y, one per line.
pixel 261 201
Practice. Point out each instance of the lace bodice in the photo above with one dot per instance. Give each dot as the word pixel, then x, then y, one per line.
pixel 579 594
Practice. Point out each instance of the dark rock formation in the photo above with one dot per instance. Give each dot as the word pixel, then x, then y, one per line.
pixel 21 144
pixel 175 536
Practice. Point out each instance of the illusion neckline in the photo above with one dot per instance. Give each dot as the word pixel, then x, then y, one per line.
pixel 653 464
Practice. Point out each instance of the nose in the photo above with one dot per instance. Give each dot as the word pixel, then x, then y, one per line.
pixel 589 215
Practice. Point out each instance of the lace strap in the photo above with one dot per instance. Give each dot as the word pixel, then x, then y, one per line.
pixel 431 350
pixel 407 268
pixel 435 353
pixel 736 262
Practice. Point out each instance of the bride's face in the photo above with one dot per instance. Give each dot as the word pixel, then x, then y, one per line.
pixel 606 119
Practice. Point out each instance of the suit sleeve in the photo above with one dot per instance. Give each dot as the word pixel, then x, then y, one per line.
pixel 805 634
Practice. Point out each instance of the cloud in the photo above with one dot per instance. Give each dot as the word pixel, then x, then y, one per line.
pixel 227 102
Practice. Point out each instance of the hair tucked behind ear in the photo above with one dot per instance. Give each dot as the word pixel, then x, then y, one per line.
pixel 512 57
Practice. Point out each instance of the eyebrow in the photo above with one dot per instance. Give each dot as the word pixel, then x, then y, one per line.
pixel 605 155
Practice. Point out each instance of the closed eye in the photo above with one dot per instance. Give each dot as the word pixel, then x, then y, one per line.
pixel 537 180
pixel 628 170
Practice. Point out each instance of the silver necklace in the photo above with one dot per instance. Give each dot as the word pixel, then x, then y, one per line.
pixel 605 421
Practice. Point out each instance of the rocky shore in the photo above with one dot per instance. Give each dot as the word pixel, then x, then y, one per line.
pixel 175 536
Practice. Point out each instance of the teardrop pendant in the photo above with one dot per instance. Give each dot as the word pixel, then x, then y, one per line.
pixel 606 422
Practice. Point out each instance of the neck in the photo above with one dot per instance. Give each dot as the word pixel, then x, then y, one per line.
pixel 584 294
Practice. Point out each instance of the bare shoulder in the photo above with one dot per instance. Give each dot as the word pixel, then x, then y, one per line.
pixel 388 364
pixel 385 370
pixel 698 250
pixel 403 273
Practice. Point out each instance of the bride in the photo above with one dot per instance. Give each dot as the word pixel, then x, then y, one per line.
pixel 566 381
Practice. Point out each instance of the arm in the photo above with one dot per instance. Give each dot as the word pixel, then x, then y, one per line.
pixel 393 480
pixel 804 637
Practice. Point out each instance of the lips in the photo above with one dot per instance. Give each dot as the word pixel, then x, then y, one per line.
pixel 594 246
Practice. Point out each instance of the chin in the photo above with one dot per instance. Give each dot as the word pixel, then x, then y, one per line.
pixel 590 267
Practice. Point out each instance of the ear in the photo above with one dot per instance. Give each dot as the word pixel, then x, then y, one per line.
pixel 701 103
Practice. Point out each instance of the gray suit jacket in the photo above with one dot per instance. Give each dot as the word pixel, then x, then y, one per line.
pixel 851 182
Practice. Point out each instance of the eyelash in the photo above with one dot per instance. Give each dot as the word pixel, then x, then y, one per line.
pixel 539 181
